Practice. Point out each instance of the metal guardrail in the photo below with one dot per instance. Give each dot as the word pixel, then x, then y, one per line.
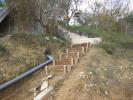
pixel 11 82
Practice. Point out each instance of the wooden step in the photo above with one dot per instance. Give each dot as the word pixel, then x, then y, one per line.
pixel 77 49
pixel 60 69
pixel 82 45
pixel 68 61
pixel 70 55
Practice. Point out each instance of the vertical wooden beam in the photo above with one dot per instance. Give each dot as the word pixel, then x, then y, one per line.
pixel 46 70
pixel 60 56
pixel 83 50
pixel 78 55
pixel 67 50
pixel 53 62
pixel 65 69
pixel 72 61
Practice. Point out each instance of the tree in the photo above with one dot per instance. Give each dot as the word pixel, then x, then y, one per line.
pixel 108 13
pixel 19 12
pixel 70 7
pixel 44 12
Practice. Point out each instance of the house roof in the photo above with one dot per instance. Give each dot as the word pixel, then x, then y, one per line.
pixel 3 13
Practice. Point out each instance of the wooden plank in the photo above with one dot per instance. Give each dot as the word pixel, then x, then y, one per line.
pixel 81 45
pixel 62 62
pixel 70 55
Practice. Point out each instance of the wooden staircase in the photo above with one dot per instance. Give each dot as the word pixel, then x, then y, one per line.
pixel 71 56
pixel 65 63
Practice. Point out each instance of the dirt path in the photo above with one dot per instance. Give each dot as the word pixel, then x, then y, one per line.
pixel 67 90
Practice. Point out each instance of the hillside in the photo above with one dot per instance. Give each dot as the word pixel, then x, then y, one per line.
pixel 21 52
pixel 98 76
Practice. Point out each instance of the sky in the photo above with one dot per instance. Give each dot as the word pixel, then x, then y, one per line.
pixel 84 4
pixel 2 0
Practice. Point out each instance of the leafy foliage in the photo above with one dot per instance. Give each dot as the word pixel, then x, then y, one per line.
pixel 2 5
pixel 129 18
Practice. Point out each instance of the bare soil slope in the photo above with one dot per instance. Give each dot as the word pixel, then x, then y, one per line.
pixel 98 76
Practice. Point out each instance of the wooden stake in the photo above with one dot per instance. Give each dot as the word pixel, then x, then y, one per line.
pixel 53 62
pixel 60 56
pixel 66 50
pixel 46 70
pixel 65 69
pixel 72 61
pixel 83 50
pixel 78 55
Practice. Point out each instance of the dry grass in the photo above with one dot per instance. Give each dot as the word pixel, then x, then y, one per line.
pixel 23 55
pixel 109 78
pixel 99 76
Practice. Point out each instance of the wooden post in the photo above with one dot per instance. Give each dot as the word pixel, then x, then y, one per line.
pixel 87 44
pixel 53 62
pixel 72 61
pixel 46 70
pixel 78 55
pixel 83 50
pixel 60 56
pixel 65 69
pixel 66 50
